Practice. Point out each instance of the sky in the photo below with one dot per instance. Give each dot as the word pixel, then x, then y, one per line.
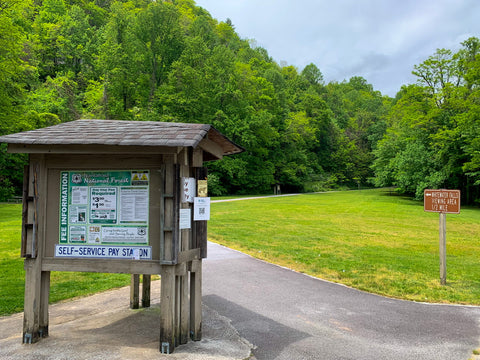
pixel 380 40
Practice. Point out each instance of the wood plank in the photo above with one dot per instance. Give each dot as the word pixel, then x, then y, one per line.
pixel 31 312
pixel 201 237
pixel 45 295
pixel 168 180
pixel 211 147
pixel 196 301
pixel 188 255
pixel 197 158
pixel 114 161
pixel 149 267
pixel 177 310
pixel 176 210
pixel 146 290
pixel 181 269
pixel 443 248
pixel 37 284
pixel 167 310
pixel 135 291
pixel 90 149
pixel 184 310
pixel 25 203
pixel 200 233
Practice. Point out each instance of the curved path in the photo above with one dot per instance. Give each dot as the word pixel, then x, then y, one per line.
pixel 288 315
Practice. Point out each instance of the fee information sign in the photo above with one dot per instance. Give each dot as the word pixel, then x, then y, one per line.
pixel 104 207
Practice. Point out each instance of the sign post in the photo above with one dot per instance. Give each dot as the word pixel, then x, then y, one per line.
pixel 443 202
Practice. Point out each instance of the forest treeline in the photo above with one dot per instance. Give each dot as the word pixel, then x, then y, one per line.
pixel 147 60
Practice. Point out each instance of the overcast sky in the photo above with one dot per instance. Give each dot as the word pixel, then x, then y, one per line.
pixel 380 40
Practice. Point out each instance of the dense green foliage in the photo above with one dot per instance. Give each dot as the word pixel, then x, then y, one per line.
pixel 169 60
pixel 433 138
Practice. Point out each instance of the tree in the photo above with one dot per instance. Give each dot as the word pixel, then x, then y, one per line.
pixel 434 123
pixel 313 74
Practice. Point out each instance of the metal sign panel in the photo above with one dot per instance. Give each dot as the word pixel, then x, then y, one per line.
pixel 442 201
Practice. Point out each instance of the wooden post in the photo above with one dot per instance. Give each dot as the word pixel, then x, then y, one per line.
pixel 37 283
pixel 196 301
pixel 45 295
pixel 167 310
pixel 134 291
pixel 146 283
pixel 200 227
pixel 184 310
pixel 443 248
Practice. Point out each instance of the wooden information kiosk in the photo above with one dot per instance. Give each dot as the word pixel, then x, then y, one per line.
pixel 118 197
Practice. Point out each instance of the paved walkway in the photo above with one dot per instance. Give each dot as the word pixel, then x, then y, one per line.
pixel 248 303
pixel 288 315
pixel 103 326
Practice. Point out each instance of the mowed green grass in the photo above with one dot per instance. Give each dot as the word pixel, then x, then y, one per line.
pixel 370 239
pixel 64 285
pixel 366 239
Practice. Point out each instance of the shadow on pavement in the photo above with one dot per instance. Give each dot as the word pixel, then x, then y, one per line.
pixel 269 337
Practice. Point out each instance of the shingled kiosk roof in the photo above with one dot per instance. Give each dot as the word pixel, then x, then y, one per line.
pixel 117 135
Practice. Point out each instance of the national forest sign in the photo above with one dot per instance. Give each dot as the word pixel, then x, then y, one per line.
pixel 104 214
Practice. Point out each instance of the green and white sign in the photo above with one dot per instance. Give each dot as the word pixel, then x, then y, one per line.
pixel 104 208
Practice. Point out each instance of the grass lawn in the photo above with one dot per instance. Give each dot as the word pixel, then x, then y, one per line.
pixel 368 239
pixel 64 285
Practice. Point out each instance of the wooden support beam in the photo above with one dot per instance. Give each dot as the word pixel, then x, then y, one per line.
pixel 167 310
pixel 184 310
pixel 37 282
pixel 135 291
pixel 197 158
pixel 196 301
pixel 200 227
pixel 146 286
pixel 177 311
pixel 32 302
pixel 44 297
pixel 188 255
pixel 150 267
pixel 212 148
pixel 90 149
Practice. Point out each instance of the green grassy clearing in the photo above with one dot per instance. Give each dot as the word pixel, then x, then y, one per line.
pixel 64 285
pixel 365 239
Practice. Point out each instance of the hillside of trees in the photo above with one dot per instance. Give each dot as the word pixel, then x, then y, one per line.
pixel 146 60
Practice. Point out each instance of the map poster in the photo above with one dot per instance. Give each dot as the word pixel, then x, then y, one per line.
pixel 104 209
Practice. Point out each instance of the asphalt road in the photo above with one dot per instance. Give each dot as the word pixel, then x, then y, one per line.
pixel 288 315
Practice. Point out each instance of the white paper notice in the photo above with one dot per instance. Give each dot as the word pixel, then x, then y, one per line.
pixel 133 205
pixel 188 186
pixel 79 195
pixel 185 219
pixel 201 209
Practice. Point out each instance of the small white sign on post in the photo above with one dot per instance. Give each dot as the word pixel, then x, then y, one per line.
pixel 188 189
pixel 201 209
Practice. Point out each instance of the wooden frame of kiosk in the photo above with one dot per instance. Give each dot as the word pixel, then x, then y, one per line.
pixel 118 197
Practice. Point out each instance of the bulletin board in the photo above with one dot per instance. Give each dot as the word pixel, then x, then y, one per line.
pixel 104 214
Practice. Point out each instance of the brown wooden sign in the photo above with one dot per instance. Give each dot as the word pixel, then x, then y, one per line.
pixel 442 201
